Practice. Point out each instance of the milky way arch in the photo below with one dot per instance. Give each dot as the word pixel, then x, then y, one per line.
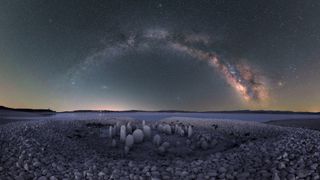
pixel 247 82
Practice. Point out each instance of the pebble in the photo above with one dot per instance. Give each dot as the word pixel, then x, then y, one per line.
pixel 314 166
pixel 281 165
pixel 184 173
pixel 42 178
pixel 204 145
pixel 275 176
pixel 53 178
pixel 291 177
pixel 222 170
pixel 26 167
pixel 101 173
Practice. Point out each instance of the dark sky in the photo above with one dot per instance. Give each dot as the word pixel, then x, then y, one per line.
pixel 151 55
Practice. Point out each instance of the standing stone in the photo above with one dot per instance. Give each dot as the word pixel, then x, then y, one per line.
pixel 138 136
pixel 126 150
pixel 161 150
pixel 147 131
pixel 123 132
pixel 181 132
pixel 110 132
pixel 129 141
pixel 189 131
pixel 166 145
pixel 204 145
pixel 114 143
pixel 143 123
pixel 117 128
pixel 167 129
pixel 129 128
pixel 157 140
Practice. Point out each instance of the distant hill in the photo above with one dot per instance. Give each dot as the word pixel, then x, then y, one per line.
pixel 181 111
pixel 161 111
pixel 265 112
pixel 27 110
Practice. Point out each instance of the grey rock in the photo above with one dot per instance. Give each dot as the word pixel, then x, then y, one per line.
pixel 314 166
pixel 129 141
pixel 275 176
pixel 53 178
pixel 42 178
pixel 138 136
pixel 291 177
pixel 184 173
pixel 222 170
pixel 204 145
pixel 101 174
pixel 157 140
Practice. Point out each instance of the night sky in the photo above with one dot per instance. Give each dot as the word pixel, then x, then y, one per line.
pixel 160 55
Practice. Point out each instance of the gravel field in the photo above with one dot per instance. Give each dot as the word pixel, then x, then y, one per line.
pixel 313 124
pixel 172 148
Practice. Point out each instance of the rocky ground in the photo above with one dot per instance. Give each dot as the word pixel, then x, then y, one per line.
pixel 176 148
pixel 313 124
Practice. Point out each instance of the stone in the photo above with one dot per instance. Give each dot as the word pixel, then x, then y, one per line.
pixel 157 140
pixel 315 177
pixel 291 177
pixel 147 131
pixel 204 145
pixel 42 178
pixel 26 167
pixel 36 164
pixel 143 123
pixel 114 143
pixel 166 145
pixel 167 129
pixel 138 136
pixel 243 175
pixel 222 169
pixel 161 150
pixel 314 166
pixel 101 174
pixel 281 165
pixel 60 168
pixel 19 178
pixel 189 131
pixel 129 141
pixel 53 178
pixel 184 173
pixel 126 149
pixel 182 133
pixel 285 155
pixel 117 128
pixel 123 133
pixel 275 176
pixel 129 127
pixel 303 173
pixel 110 131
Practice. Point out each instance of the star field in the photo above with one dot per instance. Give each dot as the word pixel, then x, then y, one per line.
pixel 153 55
